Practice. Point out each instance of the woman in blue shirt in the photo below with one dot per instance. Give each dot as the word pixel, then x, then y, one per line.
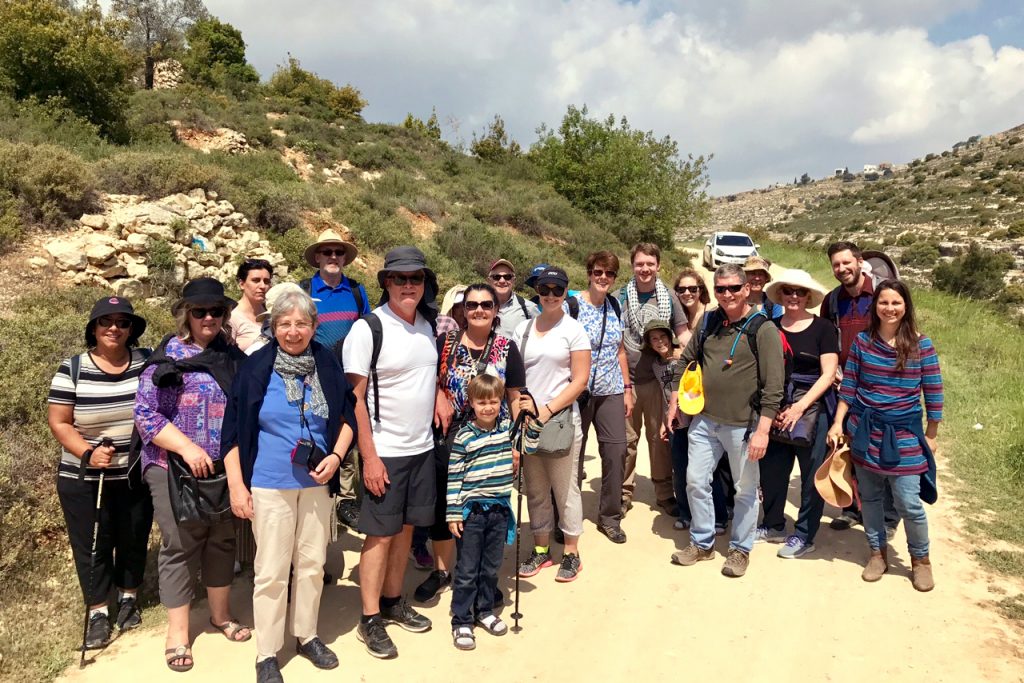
pixel 288 425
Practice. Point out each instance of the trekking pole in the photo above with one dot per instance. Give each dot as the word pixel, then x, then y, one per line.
pixel 517 615
pixel 92 553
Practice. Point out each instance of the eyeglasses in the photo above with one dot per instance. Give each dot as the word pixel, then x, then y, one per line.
pixel 300 326
pixel 556 290
pixel 213 312
pixel 732 289
pixel 690 289
pixel 473 305
pixel 119 323
pixel 403 280
pixel 498 277
pixel 794 291
pixel 331 252
pixel 597 272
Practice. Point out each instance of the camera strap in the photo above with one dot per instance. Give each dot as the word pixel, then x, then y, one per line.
pixel 302 410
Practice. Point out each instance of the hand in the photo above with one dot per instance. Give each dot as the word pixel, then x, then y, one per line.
pixel 198 461
pixel 455 528
pixel 628 400
pixel 663 432
pixel 241 501
pixel 838 378
pixel 326 469
pixel 443 412
pixel 757 445
pixel 375 475
pixel 526 404
pixel 101 457
pixel 932 442
pixel 543 414
pixel 515 461
pixel 835 435
pixel 790 416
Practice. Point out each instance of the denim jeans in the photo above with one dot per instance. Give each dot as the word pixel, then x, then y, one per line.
pixel 680 460
pixel 476 573
pixel 776 468
pixel 906 494
pixel 708 441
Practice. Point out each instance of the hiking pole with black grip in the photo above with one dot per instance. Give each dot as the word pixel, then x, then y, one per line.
pixel 517 430
pixel 105 442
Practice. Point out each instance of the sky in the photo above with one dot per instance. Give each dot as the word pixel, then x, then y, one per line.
pixel 772 89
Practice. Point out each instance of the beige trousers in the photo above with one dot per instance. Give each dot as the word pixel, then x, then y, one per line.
pixel 291 528
pixel 648 413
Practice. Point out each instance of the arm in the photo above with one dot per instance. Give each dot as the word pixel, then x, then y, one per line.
pixel 931 385
pixel 627 396
pixel 61 419
pixel 772 378
pixel 241 497
pixel 151 403
pixel 829 362
pixel 457 465
pixel 847 392
pixel 579 370
pixel 375 474
pixel 329 465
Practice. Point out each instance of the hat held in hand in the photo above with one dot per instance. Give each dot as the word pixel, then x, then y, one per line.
pixel 691 390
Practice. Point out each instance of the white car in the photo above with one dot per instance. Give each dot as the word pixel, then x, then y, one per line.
pixel 728 247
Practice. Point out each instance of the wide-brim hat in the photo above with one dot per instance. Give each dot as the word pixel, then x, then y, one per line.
pixel 757 263
pixel 834 479
pixel 406 259
pixel 273 294
pixel 794 277
pixel 110 305
pixel 452 298
pixel 659 325
pixel 329 237
pixel 204 291
pixel 691 390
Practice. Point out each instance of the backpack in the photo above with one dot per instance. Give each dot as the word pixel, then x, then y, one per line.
pixel 357 294
pixel 574 306
pixel 712 323
pixel 879 267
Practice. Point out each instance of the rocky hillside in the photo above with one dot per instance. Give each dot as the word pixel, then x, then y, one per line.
pixel 921 212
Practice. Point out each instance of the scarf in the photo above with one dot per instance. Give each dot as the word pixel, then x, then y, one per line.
pixel 220 360
pixel 290 367
pixel 633 307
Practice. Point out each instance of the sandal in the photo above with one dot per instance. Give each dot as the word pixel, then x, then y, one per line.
pixel 232 628
pixel 463 638
pixel 493 625
pixel 182 652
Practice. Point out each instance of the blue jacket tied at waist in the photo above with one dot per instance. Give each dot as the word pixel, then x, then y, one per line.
pixel 889 451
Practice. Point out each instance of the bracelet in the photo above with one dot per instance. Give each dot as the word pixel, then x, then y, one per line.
pixel 341 460
pixel 627 386
pixel 548 408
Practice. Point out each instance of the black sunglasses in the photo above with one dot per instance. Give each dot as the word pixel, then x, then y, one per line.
pixel 597 272
pixel 332 252
pixel 119 323
pixel 498 277
pixel 689 289
pixel 555 290
pixel 722 289
pixel 473 305
pixel 794 291
pixel 403 280
pixel 213 312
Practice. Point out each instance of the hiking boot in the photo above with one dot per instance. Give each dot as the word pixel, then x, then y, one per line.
pixel 98 633
pixel 844 521
pixel 421 558
pixel 735 563
pixel 534 564
pixel 614 533
pixel 922 577
pixel 348 513
pixel 692 554
pixel 128 614
pixel 764 534
pixel 795 547
pixel 435 584
pixel 318 653
pixel 406 617
pixel 877 565
pixel 669 507
pixel 269 671
pixel 570 568
pixel 375 637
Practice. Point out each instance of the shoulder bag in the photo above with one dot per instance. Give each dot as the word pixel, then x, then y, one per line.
pixel 557 435
pixel 194 500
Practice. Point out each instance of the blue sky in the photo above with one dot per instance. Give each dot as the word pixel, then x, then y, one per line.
pixel 772 89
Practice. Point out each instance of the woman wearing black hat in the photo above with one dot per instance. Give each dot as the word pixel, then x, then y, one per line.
pixel 91 400
pixel 179 412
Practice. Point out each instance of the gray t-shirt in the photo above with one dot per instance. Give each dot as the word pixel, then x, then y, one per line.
pixel 511 314
pixel 633 337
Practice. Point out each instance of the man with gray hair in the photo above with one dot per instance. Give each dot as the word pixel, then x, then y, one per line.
pixel 743 370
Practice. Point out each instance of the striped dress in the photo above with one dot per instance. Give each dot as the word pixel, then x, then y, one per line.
pixel 103 407
pixel 870 377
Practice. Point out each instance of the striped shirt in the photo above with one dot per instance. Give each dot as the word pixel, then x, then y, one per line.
pixel 870 377
pixel 335 309
pixel 103 407
pixel 480 467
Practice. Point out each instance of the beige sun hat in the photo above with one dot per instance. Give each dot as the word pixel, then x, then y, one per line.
pixel 794 277
pixel 453 296
pixel 273 294
pixel 330 237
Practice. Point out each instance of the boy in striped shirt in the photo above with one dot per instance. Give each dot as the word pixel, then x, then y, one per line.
pixel 479 508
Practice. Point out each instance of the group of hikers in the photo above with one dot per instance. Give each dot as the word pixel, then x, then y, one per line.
pixel 412 421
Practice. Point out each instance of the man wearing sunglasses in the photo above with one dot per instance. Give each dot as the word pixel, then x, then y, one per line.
pixel 512 308
pixel 742 363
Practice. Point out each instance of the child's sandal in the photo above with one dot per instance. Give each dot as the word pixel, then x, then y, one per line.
pixel 493 625
pixel 463 638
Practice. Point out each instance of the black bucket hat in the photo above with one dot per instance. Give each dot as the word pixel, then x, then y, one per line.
pixel 109 305
pixel 204 291
pixel 408 259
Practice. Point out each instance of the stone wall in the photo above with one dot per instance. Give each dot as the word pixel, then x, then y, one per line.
pixel 204 235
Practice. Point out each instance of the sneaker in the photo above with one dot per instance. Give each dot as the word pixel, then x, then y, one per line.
pixel 348 513
pixel 720 529
pixel 435 584
pixel 570 569
pixel 844 521
pixel 795 547
pixel 269 671
pixel 765 534
pixel 692 554
pixel 406 617
pixel 376 639
pixel 614 533
pixel 735 563
pixel 534 564
pixel 98 633
pixel 680 524
pixel 318 653
pixel 421 558
pixel 128 614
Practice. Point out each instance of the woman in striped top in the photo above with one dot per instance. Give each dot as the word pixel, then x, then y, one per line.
pixel 91 399
pixel 889 367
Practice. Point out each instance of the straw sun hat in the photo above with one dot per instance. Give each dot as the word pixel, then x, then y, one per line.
pixel 794 277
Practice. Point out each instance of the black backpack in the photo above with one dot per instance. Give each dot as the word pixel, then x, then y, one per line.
pixel 712 323
pixel 574 306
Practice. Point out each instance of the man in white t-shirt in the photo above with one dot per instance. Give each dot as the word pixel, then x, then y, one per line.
pixel 394 411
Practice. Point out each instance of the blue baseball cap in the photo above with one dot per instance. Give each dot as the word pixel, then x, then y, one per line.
pixel 531 281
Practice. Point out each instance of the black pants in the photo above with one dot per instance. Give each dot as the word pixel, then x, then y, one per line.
pixel 777 467
pixel 126 515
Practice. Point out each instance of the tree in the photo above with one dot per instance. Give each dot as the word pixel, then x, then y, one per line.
pixel 977 274
pixel 216 56
pixel 65 60
pixel 494 144
pixel 156 28
pixel 292 81
pixel 430 129
pixel 607 168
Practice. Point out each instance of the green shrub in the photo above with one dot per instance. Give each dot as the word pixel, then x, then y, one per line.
pixel 381 233
pixel 276 208
pixel 1016 230
pixel 51 185
pixel 372 156
pixel 292 244
pixel 216 56
pixel 906 239
pixel 156 174
pixel 977 274
pixel 10 222
pixel 987 217
pixel 922 254
pixel 293 82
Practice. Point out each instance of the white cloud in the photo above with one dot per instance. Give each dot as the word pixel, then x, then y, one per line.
pixel 773 89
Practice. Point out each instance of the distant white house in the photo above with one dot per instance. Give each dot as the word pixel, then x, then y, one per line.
pixel 839 172
pixel 870 168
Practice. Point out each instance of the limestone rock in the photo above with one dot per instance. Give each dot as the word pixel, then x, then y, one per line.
pixel 138 271
pixel 138 243
pixel 157 232
pixel 94 221
pixel 100 253
pixel 130 288
pixel 67 254
pixel 36 262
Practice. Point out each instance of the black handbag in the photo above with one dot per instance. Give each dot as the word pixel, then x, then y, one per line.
pixel 803 432
pixel 198 500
